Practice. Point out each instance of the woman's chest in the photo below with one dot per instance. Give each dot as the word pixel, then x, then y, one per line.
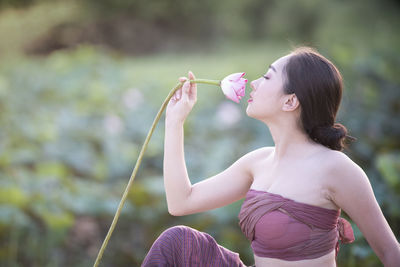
pixel 302 181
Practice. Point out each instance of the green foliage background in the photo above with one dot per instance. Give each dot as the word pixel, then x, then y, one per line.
pixel 81 82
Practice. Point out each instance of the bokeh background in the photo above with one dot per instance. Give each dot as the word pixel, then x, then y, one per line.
pixel 81 82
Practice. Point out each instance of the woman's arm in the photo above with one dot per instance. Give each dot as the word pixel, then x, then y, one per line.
pixel 182 197
pixel 351 190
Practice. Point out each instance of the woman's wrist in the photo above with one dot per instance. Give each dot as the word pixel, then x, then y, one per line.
pixel 173 123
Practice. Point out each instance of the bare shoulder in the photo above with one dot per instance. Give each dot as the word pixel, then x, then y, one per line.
pixel 343 165
pixel 253 157
pixel 343 172
pixel 258 154
pixel 261 152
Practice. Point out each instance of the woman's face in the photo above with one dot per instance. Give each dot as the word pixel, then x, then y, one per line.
pixel 267 97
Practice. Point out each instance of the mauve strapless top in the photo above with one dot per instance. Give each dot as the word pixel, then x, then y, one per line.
pixel 282 228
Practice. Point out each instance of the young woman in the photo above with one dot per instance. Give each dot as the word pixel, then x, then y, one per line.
pixel 294 191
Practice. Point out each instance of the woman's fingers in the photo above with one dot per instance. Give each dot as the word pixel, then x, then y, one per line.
pixel 193 89
pixel 185 90
pixel 191 75
pixel 188 90
pixel 177 95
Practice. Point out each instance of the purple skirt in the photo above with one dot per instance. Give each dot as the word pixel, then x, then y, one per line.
pixel 185 246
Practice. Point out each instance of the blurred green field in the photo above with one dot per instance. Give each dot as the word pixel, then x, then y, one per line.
pixel 73 122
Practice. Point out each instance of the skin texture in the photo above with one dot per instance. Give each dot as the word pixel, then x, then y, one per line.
pixel 296 167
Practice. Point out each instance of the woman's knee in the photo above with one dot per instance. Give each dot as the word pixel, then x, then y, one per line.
pixel 176 233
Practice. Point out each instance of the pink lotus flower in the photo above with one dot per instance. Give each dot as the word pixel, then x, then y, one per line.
pixel 234 86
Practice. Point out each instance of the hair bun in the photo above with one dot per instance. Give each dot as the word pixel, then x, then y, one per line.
pixel 331 136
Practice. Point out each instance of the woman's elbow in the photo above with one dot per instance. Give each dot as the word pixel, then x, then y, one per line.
pixel 175 211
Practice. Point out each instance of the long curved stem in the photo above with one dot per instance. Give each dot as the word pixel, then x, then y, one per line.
pixel 144 146
pixel 206 81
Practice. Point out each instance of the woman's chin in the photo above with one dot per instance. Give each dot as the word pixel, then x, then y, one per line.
pixel 248 112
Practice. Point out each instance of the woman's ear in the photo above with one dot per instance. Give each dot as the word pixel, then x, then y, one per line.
pixel 291 103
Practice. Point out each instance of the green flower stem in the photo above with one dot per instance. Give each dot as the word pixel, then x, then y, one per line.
pixel 144 146
pixel 205 81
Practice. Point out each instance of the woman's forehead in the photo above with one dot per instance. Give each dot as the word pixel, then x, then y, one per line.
pixel 280 63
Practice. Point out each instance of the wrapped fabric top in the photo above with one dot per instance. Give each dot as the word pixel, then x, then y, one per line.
pixel 282 228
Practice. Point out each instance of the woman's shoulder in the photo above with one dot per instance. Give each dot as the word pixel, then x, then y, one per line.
pixel 261 153
pixel 337 160
pixel 253 157
pixel 342 170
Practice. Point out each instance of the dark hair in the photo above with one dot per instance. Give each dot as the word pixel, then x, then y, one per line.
pixel 318 85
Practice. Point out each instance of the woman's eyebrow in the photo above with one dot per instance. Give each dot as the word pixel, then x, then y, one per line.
pixel 272 67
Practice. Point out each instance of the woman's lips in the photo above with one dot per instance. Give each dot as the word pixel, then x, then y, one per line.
pixel 250 100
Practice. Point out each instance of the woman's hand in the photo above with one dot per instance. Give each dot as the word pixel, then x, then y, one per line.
pixel 182 101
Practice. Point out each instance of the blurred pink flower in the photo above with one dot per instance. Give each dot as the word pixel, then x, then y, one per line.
pixel 234 86
pixel 228 114
pixel 113 124
pixel 132 98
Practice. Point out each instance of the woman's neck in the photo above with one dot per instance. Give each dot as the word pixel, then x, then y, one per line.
pixel 290 142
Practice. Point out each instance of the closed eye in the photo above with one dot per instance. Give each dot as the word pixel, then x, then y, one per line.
pixel 266 77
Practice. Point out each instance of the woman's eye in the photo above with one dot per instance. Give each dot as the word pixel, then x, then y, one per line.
pixel 266 77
